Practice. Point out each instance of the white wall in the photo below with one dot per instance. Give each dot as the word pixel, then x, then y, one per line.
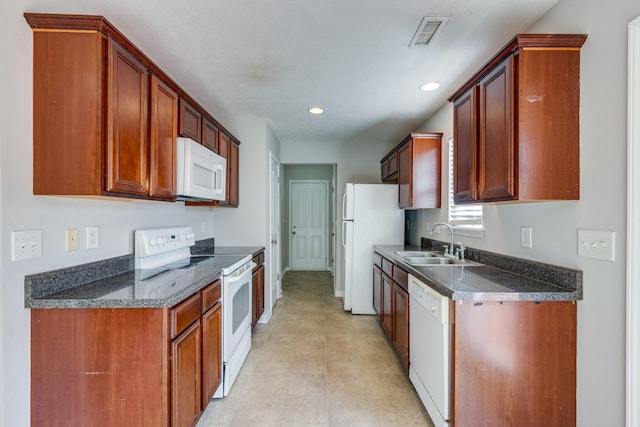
pixel 601 315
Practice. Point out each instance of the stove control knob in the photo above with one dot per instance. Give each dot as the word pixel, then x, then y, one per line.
pixel 160 240
pixel 152 242
pixel 190 236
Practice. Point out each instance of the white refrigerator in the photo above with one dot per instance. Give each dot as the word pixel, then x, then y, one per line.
pixel 370 216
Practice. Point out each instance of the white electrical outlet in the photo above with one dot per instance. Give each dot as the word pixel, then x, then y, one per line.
pixel 526 237
pixel 596 244
pixel 93 237
pixel 71 239
pixel 26 244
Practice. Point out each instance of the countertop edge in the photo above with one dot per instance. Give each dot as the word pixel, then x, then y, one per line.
pixel 562 293
pixel 37 287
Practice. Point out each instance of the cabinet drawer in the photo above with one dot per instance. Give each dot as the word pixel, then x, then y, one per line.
pixel 184 314
pixel 377 259
pixel 387 267
pixel 211 294
pixel 401 277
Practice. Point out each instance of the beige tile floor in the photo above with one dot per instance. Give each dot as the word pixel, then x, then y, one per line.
pixel 314 364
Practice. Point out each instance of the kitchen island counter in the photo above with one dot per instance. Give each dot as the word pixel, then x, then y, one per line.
pixel 500 278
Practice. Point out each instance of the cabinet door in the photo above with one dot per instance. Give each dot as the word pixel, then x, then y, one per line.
pixel 404 176
pixel 385 314
pixel 465 147
pixel 190 121
pixel 389 167
pixel 210 133
pixel 185 377
pixel 164 125
pixel 260 291
pixel 497 156
pixel 223 149
pixel 401 323
pixel 257 300
pixel 211 352
pixel 233 178
pixel 127 123
pixel 377 290
pixel 523 348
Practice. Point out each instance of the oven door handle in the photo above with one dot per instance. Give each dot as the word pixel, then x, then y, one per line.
pixel 238 275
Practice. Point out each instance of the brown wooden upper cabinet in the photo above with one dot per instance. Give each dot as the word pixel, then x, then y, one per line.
pixel 190 121
pixel 104 122
pixel 164 122
pixel 105 117
pixel 210 135
pixel 416 165
pixel 389 167
pixel 198 126
pixel 516 123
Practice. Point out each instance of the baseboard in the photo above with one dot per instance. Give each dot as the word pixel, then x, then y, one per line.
pixel 265 317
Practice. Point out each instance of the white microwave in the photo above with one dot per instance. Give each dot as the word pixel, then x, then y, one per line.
pixel 201 173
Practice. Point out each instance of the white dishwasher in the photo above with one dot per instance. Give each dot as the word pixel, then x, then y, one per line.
pixel 430 353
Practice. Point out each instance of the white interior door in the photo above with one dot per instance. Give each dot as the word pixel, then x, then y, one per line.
pixel 308 231
pixel 274 229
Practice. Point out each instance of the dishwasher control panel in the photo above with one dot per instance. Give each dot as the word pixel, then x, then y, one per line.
pixel 436 304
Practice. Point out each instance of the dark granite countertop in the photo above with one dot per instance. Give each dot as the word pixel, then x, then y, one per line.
pixel 114 283
pixel 501 278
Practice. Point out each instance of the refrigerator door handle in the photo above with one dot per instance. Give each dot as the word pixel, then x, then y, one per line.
pixel 344 234
pixel 344 206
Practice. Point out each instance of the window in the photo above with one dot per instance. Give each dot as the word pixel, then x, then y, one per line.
pixel 465 216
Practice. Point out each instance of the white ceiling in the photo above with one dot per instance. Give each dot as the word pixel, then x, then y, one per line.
pixel 275 59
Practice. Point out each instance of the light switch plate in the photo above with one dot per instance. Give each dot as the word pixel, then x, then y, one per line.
pixel 596 244
pixel 26 244
pixel 526 237
pixel 71 239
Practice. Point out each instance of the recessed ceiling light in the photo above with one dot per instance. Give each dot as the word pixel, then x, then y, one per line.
pixel 316 110
pixel 429 86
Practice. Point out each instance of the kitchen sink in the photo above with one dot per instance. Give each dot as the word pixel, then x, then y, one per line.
pixel 414 254
pixel 440 261
pixel 433 258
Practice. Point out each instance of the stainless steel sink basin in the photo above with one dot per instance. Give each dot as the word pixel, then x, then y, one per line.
pixel 433 258
pixel 430 260
pixel 440 261
pixel 416 254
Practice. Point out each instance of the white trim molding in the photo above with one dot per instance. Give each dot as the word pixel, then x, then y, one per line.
pixel 633 228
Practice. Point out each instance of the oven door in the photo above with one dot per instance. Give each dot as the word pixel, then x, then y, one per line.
pixel 237 310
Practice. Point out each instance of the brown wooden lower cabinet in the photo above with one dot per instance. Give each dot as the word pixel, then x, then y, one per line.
pixel 377 290
pixel 257 285
pixel 185 379
pixel 514 363
pixel 401 323
pixel 386 317
pixel 125 366
pixel 391 303
pixel 211 352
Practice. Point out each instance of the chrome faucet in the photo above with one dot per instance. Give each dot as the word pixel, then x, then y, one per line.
pixel 448 252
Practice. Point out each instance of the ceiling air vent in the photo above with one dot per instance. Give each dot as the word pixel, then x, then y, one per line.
pixel 429 28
